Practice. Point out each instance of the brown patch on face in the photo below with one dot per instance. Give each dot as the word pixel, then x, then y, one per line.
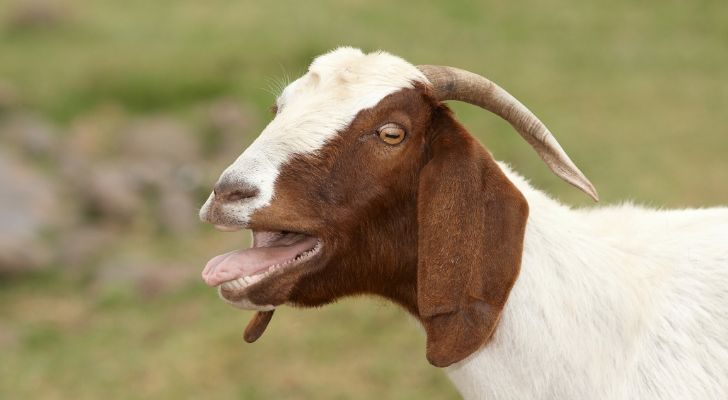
pixel 358 195
pixel 430 223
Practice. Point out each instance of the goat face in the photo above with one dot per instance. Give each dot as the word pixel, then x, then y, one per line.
pixel 364 183
pixel 318 183
pixel 342 220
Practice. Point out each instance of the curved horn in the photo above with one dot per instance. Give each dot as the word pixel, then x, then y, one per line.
pixel 457 84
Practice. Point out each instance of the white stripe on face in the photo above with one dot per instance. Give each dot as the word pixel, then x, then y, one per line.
pixel 311 111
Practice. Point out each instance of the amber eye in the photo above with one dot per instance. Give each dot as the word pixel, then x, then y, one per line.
pixel 391 134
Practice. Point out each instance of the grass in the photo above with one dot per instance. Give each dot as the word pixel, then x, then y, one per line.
pixel 637 93
pixel 624 86
pixel 189 345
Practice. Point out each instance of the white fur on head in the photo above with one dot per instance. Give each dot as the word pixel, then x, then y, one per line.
pixel 311 111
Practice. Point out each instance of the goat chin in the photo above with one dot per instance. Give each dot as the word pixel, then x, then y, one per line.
pixel 634 296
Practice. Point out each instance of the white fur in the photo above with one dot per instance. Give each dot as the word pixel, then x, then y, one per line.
pixel 612 303
pixel 311 111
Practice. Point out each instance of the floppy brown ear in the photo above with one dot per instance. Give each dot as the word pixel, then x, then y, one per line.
pixel 471 224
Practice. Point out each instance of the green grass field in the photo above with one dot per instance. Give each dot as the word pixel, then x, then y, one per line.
pixel 636 92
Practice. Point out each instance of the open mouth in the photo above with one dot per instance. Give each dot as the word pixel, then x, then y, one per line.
pixel 271 252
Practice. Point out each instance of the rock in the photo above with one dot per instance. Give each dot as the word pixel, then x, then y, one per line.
pixel 8 97
pixel 177 211
pixel 9 337
pixel 161 153
pixel 112 192
pixel 231 126
pixel 162 140
pixel 146 170
pixel 28 208
pixel 162 280
pixel 229 116
pixel 164 157
pixel 83 244
pixel 147 277
pixel 37 14
pixel 33 135
pixel 94 136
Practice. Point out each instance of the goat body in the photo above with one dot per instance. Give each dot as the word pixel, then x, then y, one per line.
pixel 611 303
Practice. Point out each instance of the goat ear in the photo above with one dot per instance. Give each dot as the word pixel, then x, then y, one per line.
pixel 471 224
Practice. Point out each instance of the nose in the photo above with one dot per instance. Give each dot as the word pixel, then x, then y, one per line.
pixel 229 190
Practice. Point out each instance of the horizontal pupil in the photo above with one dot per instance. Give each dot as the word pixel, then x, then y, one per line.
pixel 391 135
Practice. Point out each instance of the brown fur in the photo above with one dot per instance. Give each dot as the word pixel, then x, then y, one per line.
pixel 431 224
pixel 471 226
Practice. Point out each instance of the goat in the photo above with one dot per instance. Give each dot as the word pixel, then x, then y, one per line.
pixel 364 183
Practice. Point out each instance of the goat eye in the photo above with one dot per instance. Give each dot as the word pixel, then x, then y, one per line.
pixel 391 134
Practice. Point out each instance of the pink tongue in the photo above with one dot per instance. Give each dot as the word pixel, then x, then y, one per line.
pixel 246 262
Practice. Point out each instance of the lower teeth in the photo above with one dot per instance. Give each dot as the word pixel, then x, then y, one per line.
pixel 245 281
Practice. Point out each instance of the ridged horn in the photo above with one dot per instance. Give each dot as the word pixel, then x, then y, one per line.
pixel 456 84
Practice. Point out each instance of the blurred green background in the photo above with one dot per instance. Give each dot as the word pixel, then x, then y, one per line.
pixel 116 118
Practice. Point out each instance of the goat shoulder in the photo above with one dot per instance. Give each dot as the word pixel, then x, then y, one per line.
pixel 612 303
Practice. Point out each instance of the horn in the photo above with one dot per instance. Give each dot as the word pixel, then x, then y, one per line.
pixel 456 84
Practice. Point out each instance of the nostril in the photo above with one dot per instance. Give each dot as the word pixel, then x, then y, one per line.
pixel 227 191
